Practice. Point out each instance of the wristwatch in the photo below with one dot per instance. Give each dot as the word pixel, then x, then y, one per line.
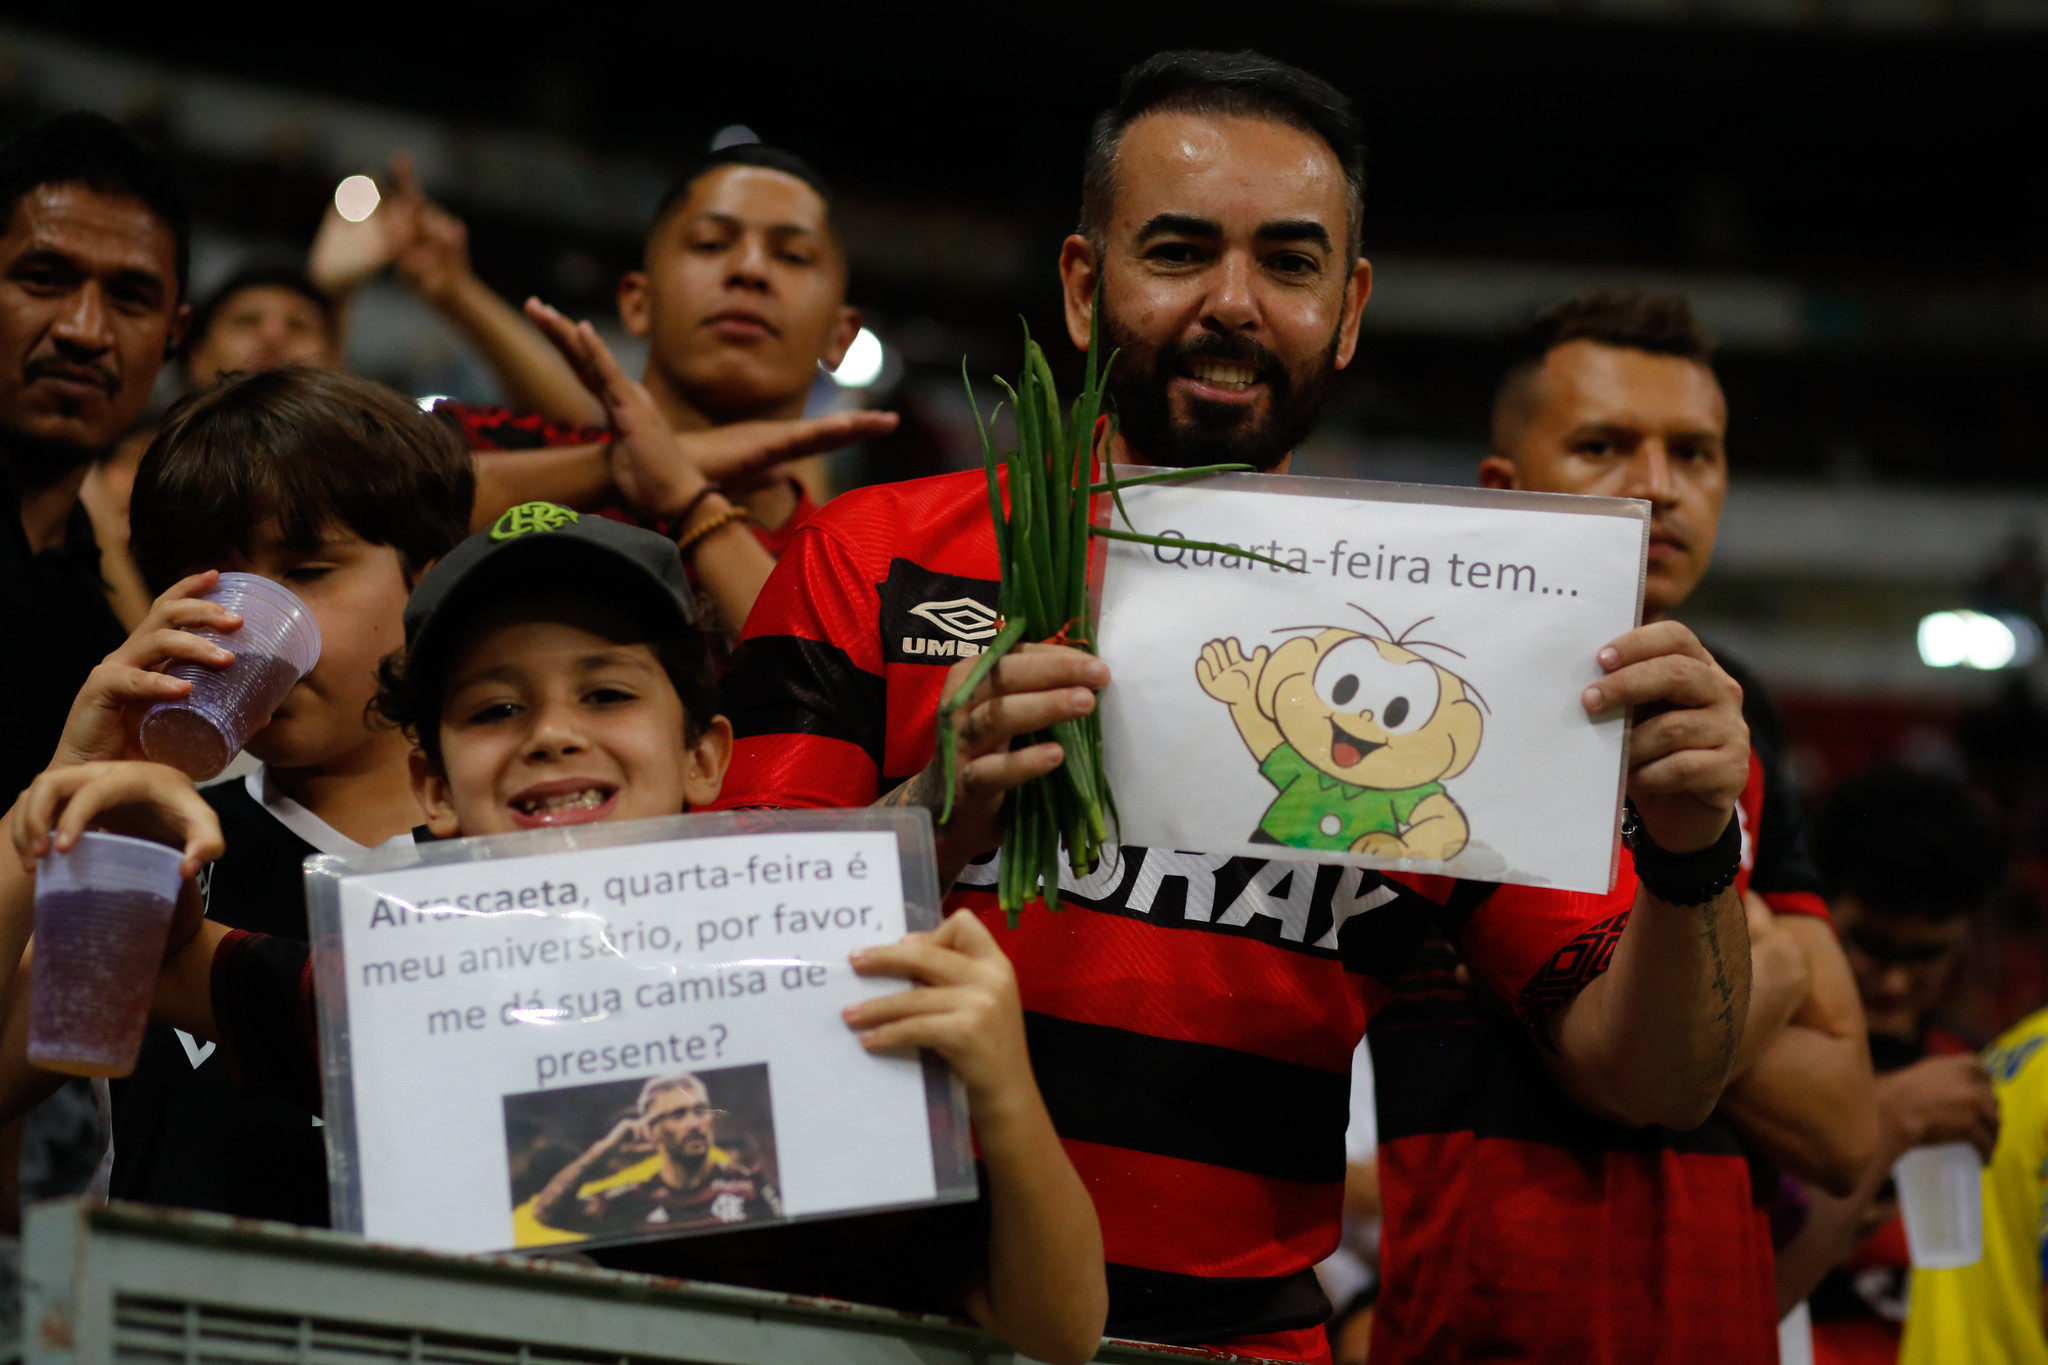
pixel 1683 878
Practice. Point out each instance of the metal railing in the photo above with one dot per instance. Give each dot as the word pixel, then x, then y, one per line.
pixel 125 1283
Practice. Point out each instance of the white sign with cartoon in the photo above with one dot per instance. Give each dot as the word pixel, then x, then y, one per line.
pixel 1404 693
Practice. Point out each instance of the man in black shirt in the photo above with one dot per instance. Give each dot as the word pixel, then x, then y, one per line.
pixel 92 282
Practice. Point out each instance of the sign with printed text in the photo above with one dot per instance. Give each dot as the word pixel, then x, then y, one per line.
pixel 1398 688
pixel 624 1031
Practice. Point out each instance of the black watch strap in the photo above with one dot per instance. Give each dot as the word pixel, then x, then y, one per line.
pixel 1683 878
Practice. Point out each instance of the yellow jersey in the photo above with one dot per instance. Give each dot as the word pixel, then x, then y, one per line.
pixel 1991 1313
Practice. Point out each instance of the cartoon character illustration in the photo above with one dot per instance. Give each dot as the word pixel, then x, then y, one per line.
pixel 1359 732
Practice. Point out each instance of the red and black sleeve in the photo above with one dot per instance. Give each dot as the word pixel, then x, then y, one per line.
pixel 805 691
pixel 1534 947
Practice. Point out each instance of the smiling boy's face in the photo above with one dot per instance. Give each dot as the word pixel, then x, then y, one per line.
pixel 554 714
pixel 1371 713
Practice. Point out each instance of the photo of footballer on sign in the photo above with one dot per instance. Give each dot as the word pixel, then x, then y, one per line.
pixel 684 1151
pixel 1384 675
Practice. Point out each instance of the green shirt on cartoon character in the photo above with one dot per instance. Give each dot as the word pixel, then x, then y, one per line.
pixel 1316 810
pixel 1358 733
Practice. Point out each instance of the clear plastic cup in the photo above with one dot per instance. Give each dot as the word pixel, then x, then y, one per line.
pixel 1941 1194
pixel 277 645
pixel 103 911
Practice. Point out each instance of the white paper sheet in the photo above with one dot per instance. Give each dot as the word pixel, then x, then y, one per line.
pixel 1409 700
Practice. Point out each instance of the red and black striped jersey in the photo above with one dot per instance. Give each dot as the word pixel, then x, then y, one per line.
pixel 1192 1017
pixel 1518 1227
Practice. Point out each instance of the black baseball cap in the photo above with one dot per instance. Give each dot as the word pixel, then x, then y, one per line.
pixel 536 548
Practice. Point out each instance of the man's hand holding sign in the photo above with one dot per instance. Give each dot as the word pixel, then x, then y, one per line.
pixel 1689 746
pixel 1688 759
pixel 1032 689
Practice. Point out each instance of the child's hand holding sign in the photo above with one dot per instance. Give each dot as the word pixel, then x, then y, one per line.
pixel 965 1007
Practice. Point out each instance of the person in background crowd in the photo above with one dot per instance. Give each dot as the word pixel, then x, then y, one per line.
pixel 1909 860
pixel 92 281
pixel 92 300
pixel 262 317
pixel 1992 1312
pixel 742 298
pixel 427 248
pixel 269 314
pixel 1181 992
pixel 1515 1221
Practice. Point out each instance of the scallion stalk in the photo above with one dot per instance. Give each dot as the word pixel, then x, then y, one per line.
pixel 1042 544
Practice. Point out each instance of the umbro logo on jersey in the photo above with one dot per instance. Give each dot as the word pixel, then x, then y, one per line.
pixel 931 617
pixel 963 618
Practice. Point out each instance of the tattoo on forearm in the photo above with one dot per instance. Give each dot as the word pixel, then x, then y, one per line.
pixel 1724 990
pixel 923 789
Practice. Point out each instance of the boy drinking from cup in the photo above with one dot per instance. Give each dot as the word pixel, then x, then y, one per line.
pixel 554 675
pixel 342 492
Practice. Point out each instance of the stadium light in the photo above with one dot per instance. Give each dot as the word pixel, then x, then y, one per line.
pixel 863 363
pixel 1975 639
pixel 356 198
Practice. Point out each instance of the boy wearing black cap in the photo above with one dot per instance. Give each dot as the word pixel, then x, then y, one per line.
pixel 533 679
pixel 554 675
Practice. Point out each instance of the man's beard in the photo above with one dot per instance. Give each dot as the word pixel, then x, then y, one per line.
pixel 1212 433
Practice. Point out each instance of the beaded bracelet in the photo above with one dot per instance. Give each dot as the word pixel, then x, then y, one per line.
pixel 682 518
pixel 689 543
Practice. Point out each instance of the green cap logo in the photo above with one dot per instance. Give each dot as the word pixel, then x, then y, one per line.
pixel 528 517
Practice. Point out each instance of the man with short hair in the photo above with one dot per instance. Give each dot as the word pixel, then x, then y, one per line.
pixel 92 280
pixel 1515 1221
pixel 694 1184
pixel 94 245
pixel 1192 1037
pixel 1229 324
pixel 741 295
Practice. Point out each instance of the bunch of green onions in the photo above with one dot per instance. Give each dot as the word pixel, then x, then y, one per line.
pixel 1043 547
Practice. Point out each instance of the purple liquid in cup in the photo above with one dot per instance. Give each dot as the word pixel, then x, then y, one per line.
pixel 102 913
pixel 277 645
